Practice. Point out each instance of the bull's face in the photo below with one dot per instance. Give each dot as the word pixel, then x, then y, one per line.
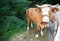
pixel 45 13
pixel 53 11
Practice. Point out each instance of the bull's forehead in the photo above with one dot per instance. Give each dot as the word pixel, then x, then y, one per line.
pixel 46 5
pixel 45 10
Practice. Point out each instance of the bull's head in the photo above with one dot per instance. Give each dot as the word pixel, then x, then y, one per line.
pixel 54 9
pixel 45 12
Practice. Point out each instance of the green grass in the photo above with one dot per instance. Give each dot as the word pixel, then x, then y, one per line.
pixel 12 26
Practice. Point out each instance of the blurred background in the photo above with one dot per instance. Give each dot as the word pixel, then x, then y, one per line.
pixel 13 15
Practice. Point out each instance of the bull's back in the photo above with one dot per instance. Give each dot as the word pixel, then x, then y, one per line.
pixel 33 15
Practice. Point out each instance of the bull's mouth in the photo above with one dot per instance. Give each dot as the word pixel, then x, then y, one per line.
pixel 45 19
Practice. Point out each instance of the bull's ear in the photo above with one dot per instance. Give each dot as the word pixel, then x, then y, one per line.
pixel 38 9
pixel 55 9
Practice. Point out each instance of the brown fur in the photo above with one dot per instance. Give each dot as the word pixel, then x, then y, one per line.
pixel 35 15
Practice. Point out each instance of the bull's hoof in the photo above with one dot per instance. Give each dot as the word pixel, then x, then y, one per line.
pixel 27 28
pixel 36 35
pixel 42 33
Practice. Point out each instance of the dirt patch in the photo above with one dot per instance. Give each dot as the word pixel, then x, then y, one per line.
pixel 30 36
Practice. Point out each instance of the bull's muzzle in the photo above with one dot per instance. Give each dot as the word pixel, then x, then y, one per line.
pixel 45 19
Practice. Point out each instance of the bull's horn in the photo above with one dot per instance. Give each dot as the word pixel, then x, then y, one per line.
pixel 55 5
pixel 38 5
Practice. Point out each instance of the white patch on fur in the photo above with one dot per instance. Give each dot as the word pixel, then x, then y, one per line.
pixel 31 25
pixel 45 10
pixel 27 27
pixel 36 35
pixel 41 33
pixel 45 19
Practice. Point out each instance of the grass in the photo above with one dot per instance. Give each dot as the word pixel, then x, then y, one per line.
pixel 12 26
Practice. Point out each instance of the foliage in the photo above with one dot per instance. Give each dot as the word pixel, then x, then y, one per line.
pixel 12 26
pixel 12 18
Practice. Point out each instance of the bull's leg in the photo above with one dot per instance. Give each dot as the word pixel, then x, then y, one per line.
pixel 53 18
pixel 28 22
pixel 28 27
pixel 42 33
pixel 31 25
pixel 38 29
pixel 41 30
pixel 55 27
pixel 43 25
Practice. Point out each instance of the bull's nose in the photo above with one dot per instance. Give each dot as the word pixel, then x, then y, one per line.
pixel 45 19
